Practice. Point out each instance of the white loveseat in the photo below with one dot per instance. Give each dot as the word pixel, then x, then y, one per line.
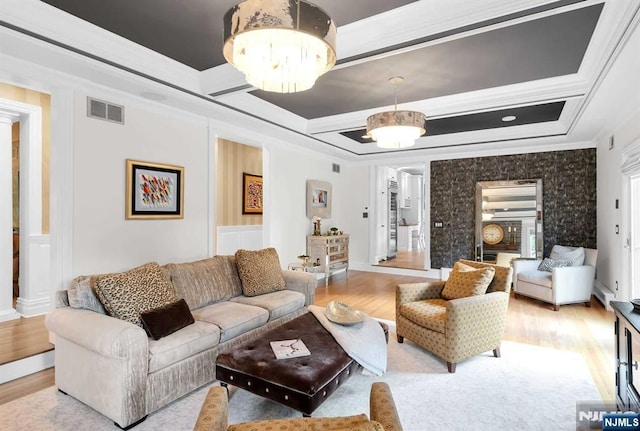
pixel 114 367
pixel 561 285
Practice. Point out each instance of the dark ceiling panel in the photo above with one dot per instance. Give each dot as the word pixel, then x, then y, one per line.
pixel 191 31
pixel 481 121
pixel 543 48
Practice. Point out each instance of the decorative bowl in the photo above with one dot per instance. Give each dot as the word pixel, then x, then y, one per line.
pixel 343 314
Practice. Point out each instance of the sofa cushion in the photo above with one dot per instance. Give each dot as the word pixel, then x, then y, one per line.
pixel 167 319
pixel 541 278
pixel 574 254
pixel 259 271
pixel 206 281
pixel 278 304
pixel 467 281
pixel 548 264
pixel 127 294
pixel 428 313
pixel 81 293
pixel 232 318
pixel 182 344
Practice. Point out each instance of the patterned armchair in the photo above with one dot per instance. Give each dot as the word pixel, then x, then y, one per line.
pixel 384 417
pixel 454 329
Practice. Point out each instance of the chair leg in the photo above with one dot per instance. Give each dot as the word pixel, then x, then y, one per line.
pixel 515 295
pixel 496 352
pixel 556 307
pixel 451 366
pixel 400 339
pixel 588 304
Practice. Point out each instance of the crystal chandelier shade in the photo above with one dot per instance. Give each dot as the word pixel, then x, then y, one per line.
pixel 280 45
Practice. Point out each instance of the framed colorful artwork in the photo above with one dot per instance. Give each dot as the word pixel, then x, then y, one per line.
pixel 154 191
pixel 251 194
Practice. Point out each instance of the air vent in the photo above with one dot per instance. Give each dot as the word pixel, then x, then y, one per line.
pixel 105 110
pixel 336 168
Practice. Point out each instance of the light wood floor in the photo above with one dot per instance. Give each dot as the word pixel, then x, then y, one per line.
pixel 576 328
pixel 586 331
pixel 406 260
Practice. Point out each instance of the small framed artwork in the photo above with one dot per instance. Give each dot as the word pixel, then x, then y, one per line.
pixel 319 194
pixel 251 194
pixel 154 191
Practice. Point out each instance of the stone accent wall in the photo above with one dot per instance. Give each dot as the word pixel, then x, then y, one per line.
pixel 569 199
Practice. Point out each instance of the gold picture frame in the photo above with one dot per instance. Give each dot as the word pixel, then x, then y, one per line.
pixel 154 191
pixel 252 194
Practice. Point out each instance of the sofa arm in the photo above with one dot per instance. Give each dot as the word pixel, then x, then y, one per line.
pixel 382 408
pixel 410 292
pixel 573 283
pixel 213 414
pixel 101 361
pixel 479 320
pixel 97 332
pixel 525 265
pixel 303 282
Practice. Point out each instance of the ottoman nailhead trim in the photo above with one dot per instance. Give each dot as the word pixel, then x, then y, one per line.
pixel 286 397
pixel 266 390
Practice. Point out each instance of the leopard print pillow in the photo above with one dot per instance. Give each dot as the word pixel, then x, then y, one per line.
pixel 127 294
pixel 259 271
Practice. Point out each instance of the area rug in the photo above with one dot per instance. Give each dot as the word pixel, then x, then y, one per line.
pixel 528 388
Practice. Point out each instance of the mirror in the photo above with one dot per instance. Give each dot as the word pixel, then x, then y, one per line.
pixel 509 219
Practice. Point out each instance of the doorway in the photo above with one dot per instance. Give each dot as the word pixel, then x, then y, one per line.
pixel 401 229
pixel 25 248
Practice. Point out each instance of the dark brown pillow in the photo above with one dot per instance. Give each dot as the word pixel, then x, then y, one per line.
pixel 167 319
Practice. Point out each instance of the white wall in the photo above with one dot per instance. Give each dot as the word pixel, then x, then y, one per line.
pixel 288 223
pixel 103 240
pixel 611 254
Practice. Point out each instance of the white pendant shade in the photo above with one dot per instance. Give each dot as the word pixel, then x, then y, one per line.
pixel 396 129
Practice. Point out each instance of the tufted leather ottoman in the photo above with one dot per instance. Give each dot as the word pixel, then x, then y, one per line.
pixel 300 383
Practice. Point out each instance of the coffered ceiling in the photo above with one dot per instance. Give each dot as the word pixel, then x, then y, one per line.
pixel 466 64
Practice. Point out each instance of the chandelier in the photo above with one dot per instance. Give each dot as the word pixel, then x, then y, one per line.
pixel 396 129
pixel 281 46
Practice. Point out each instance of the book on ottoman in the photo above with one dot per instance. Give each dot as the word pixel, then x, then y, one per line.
pixel 289 349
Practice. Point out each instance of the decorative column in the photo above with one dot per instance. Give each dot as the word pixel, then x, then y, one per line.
pixel 7 312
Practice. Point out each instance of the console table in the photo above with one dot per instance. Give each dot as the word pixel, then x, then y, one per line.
pixel 627 332
pixel 330 253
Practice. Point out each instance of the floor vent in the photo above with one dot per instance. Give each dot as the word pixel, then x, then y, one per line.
pixel 336 168
pixel 105 111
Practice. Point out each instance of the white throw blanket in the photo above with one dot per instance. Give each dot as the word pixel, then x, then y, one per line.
pixel 364 342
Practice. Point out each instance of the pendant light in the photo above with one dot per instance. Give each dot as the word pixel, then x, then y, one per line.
pixel 281 46
pixel 396 129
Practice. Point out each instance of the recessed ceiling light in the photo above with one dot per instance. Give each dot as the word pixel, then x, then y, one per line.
pixel 508 118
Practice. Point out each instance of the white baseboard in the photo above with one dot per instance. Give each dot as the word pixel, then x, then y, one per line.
pixel 24 367
pixel 10 314
pixel 603 294
pixel 32 307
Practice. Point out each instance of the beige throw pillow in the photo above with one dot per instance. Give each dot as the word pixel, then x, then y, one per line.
pixel 127 294
pixel 465 281
pixel 259 271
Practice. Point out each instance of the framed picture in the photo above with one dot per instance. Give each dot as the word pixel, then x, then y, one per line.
pixel 319 196
pixel 154 191
pixel 251 194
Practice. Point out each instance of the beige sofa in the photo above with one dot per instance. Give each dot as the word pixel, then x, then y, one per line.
pixel 114 367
